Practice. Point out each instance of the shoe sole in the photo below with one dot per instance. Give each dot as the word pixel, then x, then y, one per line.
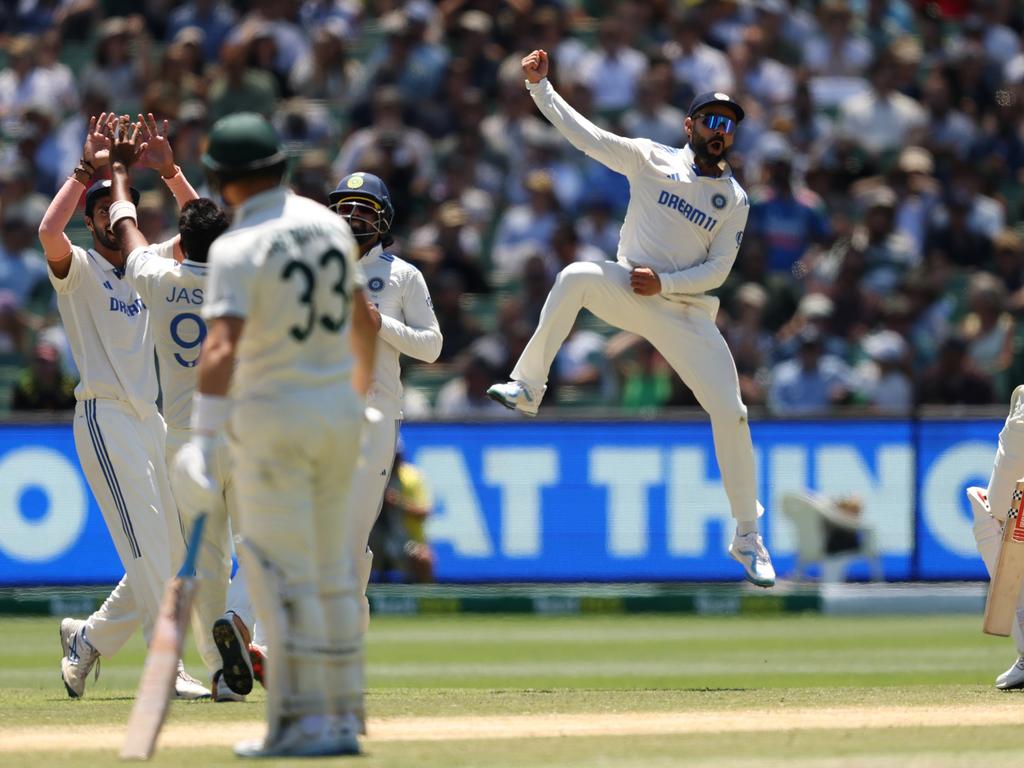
pixel 511 406
pixel 257 750
pixel 233 653
pixel 763 583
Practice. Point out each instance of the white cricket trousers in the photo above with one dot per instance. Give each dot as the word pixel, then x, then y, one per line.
pixel 684 334
pixel 367 495
pixel 213 563
pixel 293 461
pixel 123 459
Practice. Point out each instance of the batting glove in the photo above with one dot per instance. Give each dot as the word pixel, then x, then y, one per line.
pixel 196 485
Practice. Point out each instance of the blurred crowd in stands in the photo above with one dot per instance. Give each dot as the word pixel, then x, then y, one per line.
pixel 883 149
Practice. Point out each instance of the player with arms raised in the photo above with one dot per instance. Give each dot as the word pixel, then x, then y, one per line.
pixel 284 298
pixel 681 234
pixel 404 316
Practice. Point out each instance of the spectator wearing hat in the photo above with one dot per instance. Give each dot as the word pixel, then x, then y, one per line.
pixel 812 383
pixel 43 386
pixel 953 379
pixel 882 378
pixel 786 221
pixel 989 330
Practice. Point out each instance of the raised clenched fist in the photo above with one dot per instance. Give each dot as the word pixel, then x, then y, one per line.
pixel 535 66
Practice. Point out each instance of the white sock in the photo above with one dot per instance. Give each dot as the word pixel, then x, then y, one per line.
pixel 743 527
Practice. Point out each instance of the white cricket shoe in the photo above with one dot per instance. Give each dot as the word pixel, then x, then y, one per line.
pixel 79 658
pixel 221 691
pixel 1013 677
pixel 312 736
pixel 187 687
pixel 749 551
pixel 517 396
pixel 344 731
pixel 231 637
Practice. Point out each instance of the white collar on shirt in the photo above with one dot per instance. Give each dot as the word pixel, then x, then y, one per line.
pixel 373 253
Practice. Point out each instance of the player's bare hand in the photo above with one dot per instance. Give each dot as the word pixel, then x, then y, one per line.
pixel 158 155
pixel 127 145
pixel 375 314
pixel 645 281
pixel 535 66
pixel 96 149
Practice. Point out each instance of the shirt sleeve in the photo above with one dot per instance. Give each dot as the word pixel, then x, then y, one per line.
pixel 229 285
pixel 70 283
pixel 420 335
pixel 711 273
pixel 618 153
pixel 143 269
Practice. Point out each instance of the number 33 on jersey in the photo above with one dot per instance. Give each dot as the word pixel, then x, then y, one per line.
pixel 288 266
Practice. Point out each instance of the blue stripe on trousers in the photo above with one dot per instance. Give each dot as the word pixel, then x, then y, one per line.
pixel 107 468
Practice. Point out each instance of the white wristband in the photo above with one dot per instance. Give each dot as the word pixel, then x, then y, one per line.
pixel 122 209
pixel 209 413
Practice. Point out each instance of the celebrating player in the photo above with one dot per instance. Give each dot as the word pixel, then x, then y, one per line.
pixel 284 296
pixel 119 435
pixel 404 317
pixel 990 507
pixel 174 294
pixel 683 228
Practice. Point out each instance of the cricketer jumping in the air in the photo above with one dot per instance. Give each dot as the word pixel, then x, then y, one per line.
pixel 284 298
pixel 990 506
pixel 682 231
pixel 400 304
pixel 119 434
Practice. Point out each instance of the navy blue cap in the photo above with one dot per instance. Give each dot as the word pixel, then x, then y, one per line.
pixel 715 97
pixel 101 189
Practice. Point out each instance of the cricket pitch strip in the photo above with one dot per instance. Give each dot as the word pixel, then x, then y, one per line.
pixel 554 725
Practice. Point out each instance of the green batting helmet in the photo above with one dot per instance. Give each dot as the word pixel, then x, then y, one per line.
pixel 242 144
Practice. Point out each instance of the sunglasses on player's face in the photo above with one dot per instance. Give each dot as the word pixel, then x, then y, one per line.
pixel 718 123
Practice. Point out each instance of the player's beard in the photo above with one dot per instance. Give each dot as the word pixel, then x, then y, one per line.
pixel 107 239
pixel 702 149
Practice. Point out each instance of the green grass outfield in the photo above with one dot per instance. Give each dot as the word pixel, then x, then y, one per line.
pixel 758 688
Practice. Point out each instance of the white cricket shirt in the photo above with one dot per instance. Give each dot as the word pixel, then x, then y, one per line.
pixel 684 226
pixel 288 266
pixel 107 325
pixel 174 294
pixel 408 324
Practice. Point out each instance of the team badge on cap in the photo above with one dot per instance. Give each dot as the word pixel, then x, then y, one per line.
pixel 722 96
pixel 355 182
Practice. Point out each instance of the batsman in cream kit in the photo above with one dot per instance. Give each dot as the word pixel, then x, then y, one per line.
pixel 682 231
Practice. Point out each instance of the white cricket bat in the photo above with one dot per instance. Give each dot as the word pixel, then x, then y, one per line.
pixel 1004 591
pixel 156 687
